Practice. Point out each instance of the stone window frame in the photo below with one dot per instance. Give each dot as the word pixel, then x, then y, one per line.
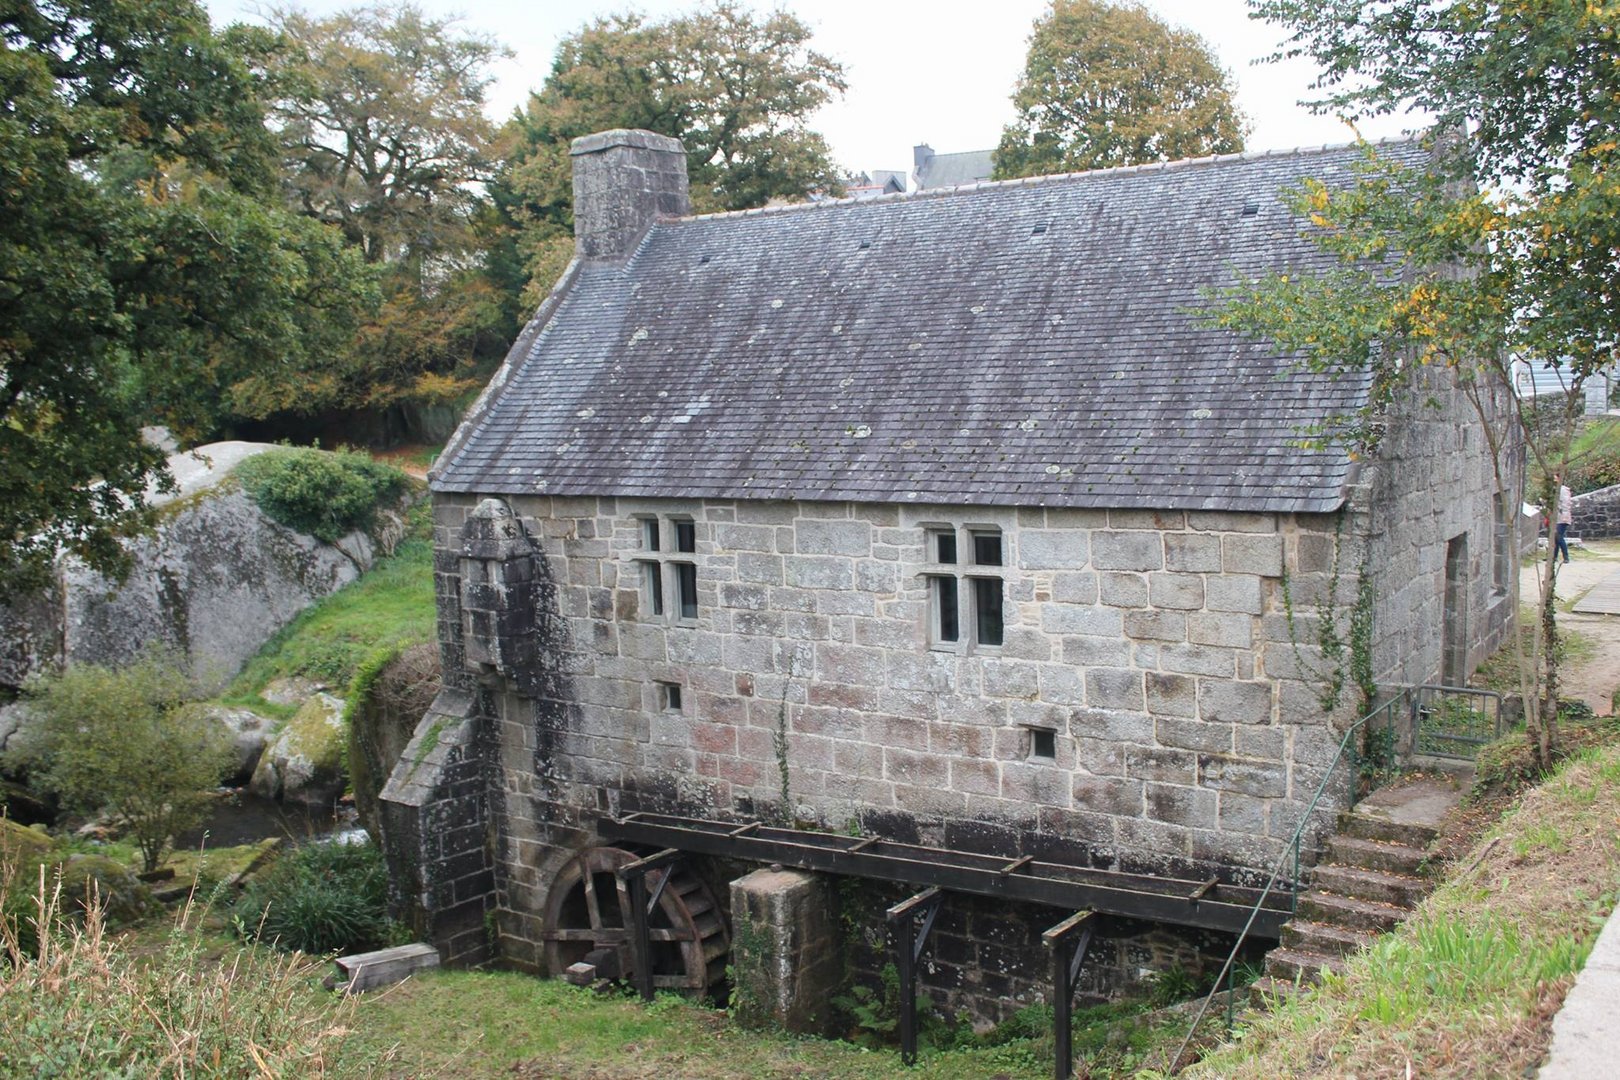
pixel 666 561
pixel 964 571
pixel 1042 744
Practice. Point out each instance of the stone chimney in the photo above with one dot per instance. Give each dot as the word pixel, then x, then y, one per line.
pixel 623 182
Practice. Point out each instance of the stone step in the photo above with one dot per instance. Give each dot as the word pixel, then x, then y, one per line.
pixel 1375 855
pixel 1343 911
pixel 1372 827
pixel 1266 991
pixel 1306 936
pixel 1304 967
pixel 1402 890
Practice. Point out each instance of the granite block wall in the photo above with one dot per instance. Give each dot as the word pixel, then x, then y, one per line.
pixel 1596 514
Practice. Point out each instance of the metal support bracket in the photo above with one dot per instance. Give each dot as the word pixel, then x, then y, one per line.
pixel 1068 941
pixel 634 876
pixel 909 924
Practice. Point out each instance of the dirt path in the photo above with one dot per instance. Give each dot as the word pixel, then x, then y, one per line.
pixel 1595 678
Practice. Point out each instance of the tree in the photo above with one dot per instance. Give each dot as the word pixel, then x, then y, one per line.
pixel 143 262
pixel 737 89
pixel 1111 84
pixel 380 112
pixel 125 742
pixel 1505 246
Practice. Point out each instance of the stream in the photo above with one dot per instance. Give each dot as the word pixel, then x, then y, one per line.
pixel 243 818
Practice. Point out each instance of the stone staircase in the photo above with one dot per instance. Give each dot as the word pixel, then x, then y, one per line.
pixel 1367 884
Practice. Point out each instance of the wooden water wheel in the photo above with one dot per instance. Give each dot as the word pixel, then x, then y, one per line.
pixel 587 929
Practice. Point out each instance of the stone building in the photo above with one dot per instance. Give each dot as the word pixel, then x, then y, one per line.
pixel 940 518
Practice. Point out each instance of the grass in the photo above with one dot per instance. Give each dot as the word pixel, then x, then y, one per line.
pixel 1594 456
pixel 88 1004
pixel 478 1024
pixel 456 1023
pixel 390 606
pixel 1500 671
pixel 1468 987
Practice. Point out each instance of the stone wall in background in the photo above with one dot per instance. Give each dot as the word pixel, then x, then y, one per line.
pixel 1597 514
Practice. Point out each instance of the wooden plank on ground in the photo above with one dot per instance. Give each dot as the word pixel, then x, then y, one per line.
pixel 367 971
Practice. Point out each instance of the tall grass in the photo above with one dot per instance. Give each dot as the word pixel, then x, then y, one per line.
pixel 82 1007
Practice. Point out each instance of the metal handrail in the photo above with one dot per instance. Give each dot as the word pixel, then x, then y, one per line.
pixel 1387 709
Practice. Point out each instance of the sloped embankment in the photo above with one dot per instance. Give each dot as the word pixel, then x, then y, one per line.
pixel 1470 985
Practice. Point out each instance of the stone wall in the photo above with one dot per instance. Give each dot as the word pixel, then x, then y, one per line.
pixel 1153 647
pixel 1432 483
pixel 1596 514
pixel 434 815
pixel 984 958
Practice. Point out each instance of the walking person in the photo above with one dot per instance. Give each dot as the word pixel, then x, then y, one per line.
pixel 1566 518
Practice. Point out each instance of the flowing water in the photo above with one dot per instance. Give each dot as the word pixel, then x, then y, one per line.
pixel 243 818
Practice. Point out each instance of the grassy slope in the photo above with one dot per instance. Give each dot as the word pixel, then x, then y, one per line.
pixel 1469 986
pixel 391 605
pixel 499 1024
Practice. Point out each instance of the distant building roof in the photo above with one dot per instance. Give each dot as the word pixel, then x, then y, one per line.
pixel 950 170
pixel 880 182
pixel 1028 343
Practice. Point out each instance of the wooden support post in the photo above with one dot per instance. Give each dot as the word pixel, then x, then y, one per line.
pixel 909 924
pixel 634 875
pixel 640 936
pixel 1068 941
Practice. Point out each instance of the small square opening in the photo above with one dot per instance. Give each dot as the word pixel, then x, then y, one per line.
pixel 1042 744
pixel 669 696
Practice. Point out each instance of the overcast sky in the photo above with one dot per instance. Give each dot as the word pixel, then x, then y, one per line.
pixel 939 73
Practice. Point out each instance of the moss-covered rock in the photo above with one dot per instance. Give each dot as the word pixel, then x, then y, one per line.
pixel 306 762
pixel 19 842
pixel 124 897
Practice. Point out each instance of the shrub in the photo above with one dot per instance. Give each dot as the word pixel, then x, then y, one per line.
pixel 1508 765
pixel 80 1006
pixel 127 743
pixel 320 898
pixel 323 494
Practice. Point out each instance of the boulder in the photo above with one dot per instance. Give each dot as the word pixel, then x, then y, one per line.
pixel 248 732
pixel 305 762
pixel 20 843
pixel 16 720
pixel 290 690
pixel 214 582
pixel 124 897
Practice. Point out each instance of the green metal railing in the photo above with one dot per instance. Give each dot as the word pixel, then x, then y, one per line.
pixel 1290 854
pixel 1454 721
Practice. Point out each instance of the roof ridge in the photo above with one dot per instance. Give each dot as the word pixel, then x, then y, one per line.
pixel 1036 181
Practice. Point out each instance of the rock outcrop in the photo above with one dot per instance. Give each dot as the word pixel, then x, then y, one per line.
pixel 215 581
pixel 305 763
pixel 248 733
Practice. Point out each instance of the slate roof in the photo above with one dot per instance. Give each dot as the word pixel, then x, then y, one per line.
pixel 954 170
pixel 1026 343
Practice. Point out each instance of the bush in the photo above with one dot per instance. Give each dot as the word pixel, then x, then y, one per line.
pixel 83 1007
pixel 323 494
pixel 320 898
pixel 1508 766
pixel 127 743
